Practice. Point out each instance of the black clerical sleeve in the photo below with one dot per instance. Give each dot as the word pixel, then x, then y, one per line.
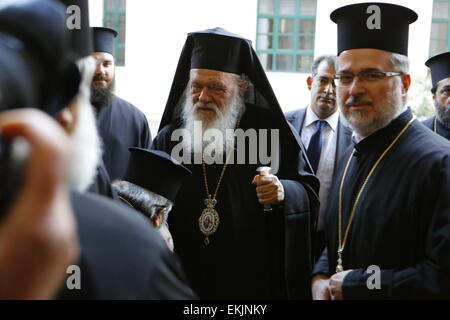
pixel 322 265
pixel 102 183
pixel 297 236
pixel 168 281
pixel 430 277
pixel 146 135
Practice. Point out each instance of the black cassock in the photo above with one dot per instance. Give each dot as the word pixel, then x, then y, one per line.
pixel 402 223
pixel 439 128
pixel 102 183
pixel 253 254
pixel 121 125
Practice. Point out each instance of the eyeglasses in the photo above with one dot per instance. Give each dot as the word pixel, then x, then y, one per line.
pixel 214 88
pixel 346 79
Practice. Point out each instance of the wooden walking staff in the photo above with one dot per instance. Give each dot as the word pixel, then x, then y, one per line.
pixel 265 171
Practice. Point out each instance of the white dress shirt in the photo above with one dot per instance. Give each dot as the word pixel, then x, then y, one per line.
pixel 327 157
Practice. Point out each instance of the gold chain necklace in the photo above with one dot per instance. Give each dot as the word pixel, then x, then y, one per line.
pixel 208 221
pixel 341 245
pixel 434 129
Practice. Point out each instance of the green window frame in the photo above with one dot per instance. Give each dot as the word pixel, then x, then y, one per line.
pixel 286 34
pixel 440 27
pixel 114 16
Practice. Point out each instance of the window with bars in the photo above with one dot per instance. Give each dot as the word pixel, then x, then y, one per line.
pixel 114 16
pixel 440 27
pixel 285 34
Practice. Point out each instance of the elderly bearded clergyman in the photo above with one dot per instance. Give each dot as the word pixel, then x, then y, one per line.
pixel 229 246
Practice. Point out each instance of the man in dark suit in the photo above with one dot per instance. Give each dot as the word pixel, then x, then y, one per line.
pixel 323 132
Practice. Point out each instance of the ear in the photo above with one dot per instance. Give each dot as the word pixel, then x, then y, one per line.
pixel 243 85
pixel 309 82
pixel 157 219
pixel 406 82
pixel 433 96
pixel 67 120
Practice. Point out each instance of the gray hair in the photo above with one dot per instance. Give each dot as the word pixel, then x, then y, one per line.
pixel 143 200
pixel 400 63
pixel 434 89
pixel 329 58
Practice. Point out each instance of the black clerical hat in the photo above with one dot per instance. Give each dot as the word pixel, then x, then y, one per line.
pixel 373 25
pixel 439 66
pixel 218 49
pixel 104 39
pixel 156 171
pixel 80 33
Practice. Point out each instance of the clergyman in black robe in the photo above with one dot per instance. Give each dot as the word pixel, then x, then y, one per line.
pixel 121 125
pixel 403 220
pixel 440 74
pixel 253 254
pixel 388 221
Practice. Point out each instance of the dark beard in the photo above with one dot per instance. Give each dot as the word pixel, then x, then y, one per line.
pixel 101 97
pixel 443 114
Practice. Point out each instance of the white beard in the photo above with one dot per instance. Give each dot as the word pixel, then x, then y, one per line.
pixel 217 134
pixel 86 148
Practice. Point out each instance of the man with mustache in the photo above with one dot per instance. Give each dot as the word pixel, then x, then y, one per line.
pixel 440 74
pixel 323 131
pixel 121 125
pixel 388 219
pixel 229 246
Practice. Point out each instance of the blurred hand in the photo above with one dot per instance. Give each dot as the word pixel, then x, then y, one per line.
pixel 269 189
pixel 320 287
pixel 167 236
pixel 38 238
pixel 336 285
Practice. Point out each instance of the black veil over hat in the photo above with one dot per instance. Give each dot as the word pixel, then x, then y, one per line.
pixel 439 66
pixel 218 49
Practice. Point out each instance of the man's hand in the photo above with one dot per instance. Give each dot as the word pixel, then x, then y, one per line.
pixel 38 238
pixel 320 287
pixel 167 236
pixel 268 189
pixel 336 285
